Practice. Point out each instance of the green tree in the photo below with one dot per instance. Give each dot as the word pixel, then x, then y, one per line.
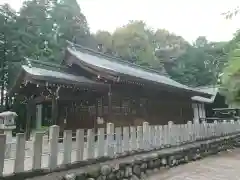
pixel 200 65
pixel 230 82
pixel 35 29
pixel 168 46
pixel 69 23
pixel 132 42
pixel 201 41
pixel 141 45
pixel 105 39
pixel 45 26
pixel 39 31
pixel 8 47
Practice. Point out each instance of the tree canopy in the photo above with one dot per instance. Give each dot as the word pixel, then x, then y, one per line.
pixel 231 72
pixel 139 44
pixel 40 30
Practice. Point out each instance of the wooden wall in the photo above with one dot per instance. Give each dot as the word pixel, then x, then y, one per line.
pixel 129 107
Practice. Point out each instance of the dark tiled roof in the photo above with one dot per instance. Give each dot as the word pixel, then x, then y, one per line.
pixel 51 75
pixel 55 76
pixel 117 67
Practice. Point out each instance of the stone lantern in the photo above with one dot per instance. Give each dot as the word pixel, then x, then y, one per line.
pixel 7 124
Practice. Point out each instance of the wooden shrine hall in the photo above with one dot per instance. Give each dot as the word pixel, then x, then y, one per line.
pixel 91 88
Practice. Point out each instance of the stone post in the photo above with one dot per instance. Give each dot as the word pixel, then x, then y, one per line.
pixel 80 144
pixel 170 134
pixel 20 153
pixel 125 139
pixel 53 144
pixel 90 144
pixel 67 144
pixel 232 123
pixel 224 129
pixel 118 139
pixel 37 150
pixel 133 138
pixel 215 128
pixel 186 139
pixel 110 139
pixel 146 136
pixel 156 136
pixel 180 135
pixel 161 136
pixel 205 130
pixel 2 152
pixel 165 135
pixel 189 124
pixel 177 134
pixel 238 126
pixel 101 142
pixel 140 137
pixel 151 136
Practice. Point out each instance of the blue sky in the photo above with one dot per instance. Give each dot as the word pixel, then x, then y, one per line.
pixel 188 18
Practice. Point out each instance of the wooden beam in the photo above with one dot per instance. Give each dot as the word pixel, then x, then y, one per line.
pixel 109 100
pixel 54 110
pixel 30 107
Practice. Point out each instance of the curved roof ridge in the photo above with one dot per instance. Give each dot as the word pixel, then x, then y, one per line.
pixel 111 57
pixel 125 69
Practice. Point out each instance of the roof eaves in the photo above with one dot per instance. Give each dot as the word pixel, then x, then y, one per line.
pixel 202 99
pixel 206 100
pixel 74 52
pixel 40 74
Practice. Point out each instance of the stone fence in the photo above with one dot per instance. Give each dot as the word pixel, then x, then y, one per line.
pixel 171 139
pixel 143 165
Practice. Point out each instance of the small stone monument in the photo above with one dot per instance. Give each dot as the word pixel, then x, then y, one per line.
pixel 7 124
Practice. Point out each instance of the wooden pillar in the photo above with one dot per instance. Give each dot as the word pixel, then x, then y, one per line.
pixel 102 106
pixel 195 113
pixel 110 100
pixel 54 94
pixel 96 114
pixel 204 110
pixel 54 110
pixel 200 110
pixel 38 116
pixel 28 121
pixel 30 106
pixel 97 107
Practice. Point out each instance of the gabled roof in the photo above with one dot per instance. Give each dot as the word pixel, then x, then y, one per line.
pixel 35 73
pixel 42 75
pixel 118 68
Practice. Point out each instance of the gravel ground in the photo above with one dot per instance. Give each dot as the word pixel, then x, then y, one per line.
pixel 223 166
